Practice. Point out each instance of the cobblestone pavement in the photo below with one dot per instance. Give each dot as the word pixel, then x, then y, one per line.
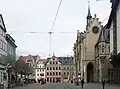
pixel 67 86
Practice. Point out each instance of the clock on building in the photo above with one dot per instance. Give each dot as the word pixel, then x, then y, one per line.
pixel 95 29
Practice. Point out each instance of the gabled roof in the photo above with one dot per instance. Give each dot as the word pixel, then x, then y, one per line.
pixel 104 35
pixel 2 25
pixel 25 58
pixel 44 60
pixel 10 40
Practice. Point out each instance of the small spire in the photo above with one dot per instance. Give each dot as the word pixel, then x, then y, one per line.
pixel 53 54
pixel 89 14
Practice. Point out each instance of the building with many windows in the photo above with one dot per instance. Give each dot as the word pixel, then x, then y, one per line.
pixel 40 69
pixel 103 68
pixel 32 62
pixel 53 70
pixel 67 68
pixel 11 46
pixel 3 52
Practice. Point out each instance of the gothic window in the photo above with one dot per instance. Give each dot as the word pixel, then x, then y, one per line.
pixel 64 73
pixel 4 76
pixel 50 68
pixel 47 68
pixel 50 73
pixel 53 73
pixel 53 68
pixel 59 73
pixel 47 73
pixel 56 73
pixel 102 49
pixel 56 68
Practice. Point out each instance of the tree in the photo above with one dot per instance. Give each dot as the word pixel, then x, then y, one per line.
pixel 28 69
pixel 20 66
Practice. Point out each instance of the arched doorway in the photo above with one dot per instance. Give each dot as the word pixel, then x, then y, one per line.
pixel 90 72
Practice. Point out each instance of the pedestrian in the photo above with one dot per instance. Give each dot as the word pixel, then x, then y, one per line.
pixel 103 84
pixel 82 83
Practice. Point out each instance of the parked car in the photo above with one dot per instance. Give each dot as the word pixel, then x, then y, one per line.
pixel 42 81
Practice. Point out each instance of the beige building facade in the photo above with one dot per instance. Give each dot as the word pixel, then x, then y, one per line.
pixel 84 49
pixel 85 52
pixel 53 70
pixel 103 68
pixel 92 52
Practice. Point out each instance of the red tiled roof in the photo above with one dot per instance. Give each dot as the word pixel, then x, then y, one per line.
pixel 24 58
pixel 44 60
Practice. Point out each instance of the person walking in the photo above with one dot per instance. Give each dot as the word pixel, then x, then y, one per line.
pixel 82 83
pixel 103 84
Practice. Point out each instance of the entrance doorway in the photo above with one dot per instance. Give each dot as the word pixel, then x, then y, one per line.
pixel 90 72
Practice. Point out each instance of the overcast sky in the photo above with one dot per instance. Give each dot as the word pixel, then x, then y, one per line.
pixel 22 16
